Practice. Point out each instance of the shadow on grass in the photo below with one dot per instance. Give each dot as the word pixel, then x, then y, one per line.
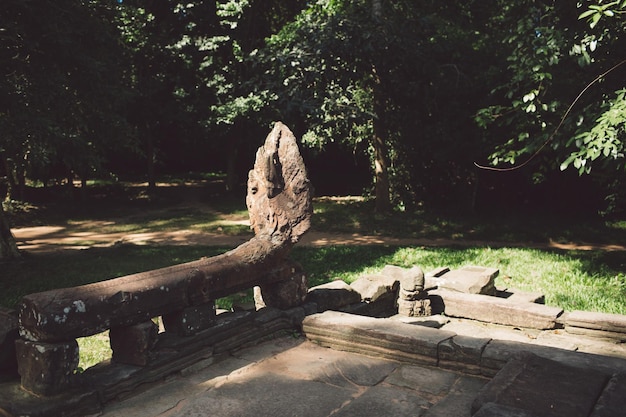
pixel 356 215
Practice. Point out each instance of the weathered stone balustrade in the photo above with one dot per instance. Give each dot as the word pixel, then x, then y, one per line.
pixel 279 203
pixel 183 296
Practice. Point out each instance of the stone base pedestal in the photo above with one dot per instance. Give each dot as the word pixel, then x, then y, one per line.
pixel 132 344
pixel 414 308
pixel 284 294
pixel 190 320
pixel 46 368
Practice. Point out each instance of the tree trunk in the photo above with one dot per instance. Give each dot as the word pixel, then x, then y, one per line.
pixel 377 10
pixel 8 247
pixel 20 172
pixel 381 161
pixel 231 169
pixel 69 183
pixel 383 198
pixel 83 186
pixel 150 155
pixel 10 176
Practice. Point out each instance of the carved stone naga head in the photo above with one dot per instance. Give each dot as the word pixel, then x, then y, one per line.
pixel 279 191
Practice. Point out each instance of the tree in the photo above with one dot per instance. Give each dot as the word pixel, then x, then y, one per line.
pixel 8 247
pixel 151 30
pixel 604 138
pixel 333 77
pixel 61 94
pixel 191 73
pixel 61 83
pixel 367 74
pixel 560 102
pixel 240 113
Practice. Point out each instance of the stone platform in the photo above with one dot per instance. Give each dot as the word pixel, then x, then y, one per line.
pixel 294 377
pixel 365 360
pixel 533 373
pixel 347 365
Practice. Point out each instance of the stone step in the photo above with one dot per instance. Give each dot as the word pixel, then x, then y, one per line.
pixel 380 337
pixel 415 343
pixel 469 279
pixel 612 402
pixel 601 325
pixel 498 310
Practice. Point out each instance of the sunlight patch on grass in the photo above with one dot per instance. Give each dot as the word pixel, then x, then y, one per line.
pixel 567 279
pixel 572 281
pixel 93 350
pixel 86 244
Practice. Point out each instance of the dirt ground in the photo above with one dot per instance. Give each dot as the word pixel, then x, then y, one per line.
pixel 55 238
pixel 192 196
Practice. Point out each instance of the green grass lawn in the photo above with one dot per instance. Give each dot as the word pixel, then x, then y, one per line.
pixel 573 280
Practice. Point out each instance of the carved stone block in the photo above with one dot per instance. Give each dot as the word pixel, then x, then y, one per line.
pixel 190 320
pixel 375 286
pixel 132 345
pixel 333 295
pixel 46 368
pixel 411 279
pixel 470 280
pixel 498 310
pixel 285 294
pixel 414 308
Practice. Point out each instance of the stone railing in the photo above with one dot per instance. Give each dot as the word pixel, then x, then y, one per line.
pixel 279 203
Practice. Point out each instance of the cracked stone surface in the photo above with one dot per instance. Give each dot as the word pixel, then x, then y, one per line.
pixel 292 377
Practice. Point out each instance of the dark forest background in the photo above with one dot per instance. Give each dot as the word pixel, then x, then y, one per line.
pixel 397 100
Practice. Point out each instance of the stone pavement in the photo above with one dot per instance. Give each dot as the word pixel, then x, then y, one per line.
pixel 466 368
pixel 291 376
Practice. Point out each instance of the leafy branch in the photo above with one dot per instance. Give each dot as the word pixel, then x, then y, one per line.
pixel 595 12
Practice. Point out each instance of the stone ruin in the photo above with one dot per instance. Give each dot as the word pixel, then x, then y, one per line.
pixel 39 340
pixel 390 313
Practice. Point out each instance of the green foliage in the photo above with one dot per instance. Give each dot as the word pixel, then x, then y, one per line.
pixel 595 12
pixel 133 87
pixel 548 109
pixel 605 140
pixel 528 101
pixel 231 11
pixel 63 96
pixel 350 72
